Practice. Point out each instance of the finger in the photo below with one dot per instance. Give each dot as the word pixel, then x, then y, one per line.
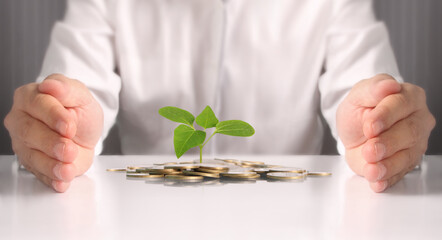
pixel 402 135
pixel 70 92
pixel 46 108
pixel 404 160
pixel 383 185
pixel 369 92
pixel 392 109
pixel 58 186
pixel 355 160
pixel 36 135
pixel 38 162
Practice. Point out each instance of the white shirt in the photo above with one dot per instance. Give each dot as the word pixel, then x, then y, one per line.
pixel 274 64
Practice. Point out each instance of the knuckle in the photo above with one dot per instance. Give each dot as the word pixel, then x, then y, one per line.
pixel 432 120
pixel 401 99
pixel 420 91
pixel 416 91
pixel 383 111
pixel 54 114
pixel 421 94
pixel 38 100
pixel 18 92
pixel 22 91
pixel 7 122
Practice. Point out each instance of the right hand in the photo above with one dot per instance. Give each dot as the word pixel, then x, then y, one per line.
pixel 54 127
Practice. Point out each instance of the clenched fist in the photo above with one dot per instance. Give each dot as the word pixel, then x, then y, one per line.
pixel 54 127
pixel 384 126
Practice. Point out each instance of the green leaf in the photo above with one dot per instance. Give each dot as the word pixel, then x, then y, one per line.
pixel 177 115
pixel 235 128
pixel 185 138
pixel 207 118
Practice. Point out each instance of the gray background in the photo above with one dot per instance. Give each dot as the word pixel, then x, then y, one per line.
pixel 415 30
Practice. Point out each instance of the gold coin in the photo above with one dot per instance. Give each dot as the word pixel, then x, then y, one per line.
pixel 116 170
pixel 243 175
pixel 175 173
pixel 188 162
pixel 214 167
pixel 251 163
pixel 135 167
pixel 261 170
pixel 181 167
pixel 261 166
pixel 273 166
pixel 162 171
pixel 319 173
pixel 204 174
pixel 183 177
pixel 170 163
pixel 131 167
pixel 143 175
pixel 288 169
pixel 209 170
pixel 285 175
pixel 219 159
pixel 254 176
pixel 228 160
pixel 237 162
pixel 165 164
pixel 159 170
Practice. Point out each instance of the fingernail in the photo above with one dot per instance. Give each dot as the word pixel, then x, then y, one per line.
pixel 57 171
pixel 380 151
pixel 382 171
pixel 62 127
pixel 384 185
pixel 377 127
pixel 59 150
pixel 54 185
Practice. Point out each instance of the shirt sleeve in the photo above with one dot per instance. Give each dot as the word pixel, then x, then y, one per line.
pixel 82 47
pixel 357 47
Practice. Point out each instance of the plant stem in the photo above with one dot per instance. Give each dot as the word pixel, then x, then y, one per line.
pixel 213 134
pixel 204 144
pixel 201 154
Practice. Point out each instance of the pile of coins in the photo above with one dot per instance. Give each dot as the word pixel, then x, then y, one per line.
pixel 226 170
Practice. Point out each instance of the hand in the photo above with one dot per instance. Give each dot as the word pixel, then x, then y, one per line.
pixel 54 127
pixel 384 126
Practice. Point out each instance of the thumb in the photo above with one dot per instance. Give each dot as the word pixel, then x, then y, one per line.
pixel 369 92
pixel 69 92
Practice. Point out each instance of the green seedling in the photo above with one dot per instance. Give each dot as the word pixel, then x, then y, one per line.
pixel 186 136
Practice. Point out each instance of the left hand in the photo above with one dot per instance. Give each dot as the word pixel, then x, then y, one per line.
pixel 384 126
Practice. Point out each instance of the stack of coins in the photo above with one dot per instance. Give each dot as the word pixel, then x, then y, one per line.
pixel 226 170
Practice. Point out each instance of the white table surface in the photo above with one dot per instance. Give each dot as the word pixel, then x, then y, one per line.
pixel 105 205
